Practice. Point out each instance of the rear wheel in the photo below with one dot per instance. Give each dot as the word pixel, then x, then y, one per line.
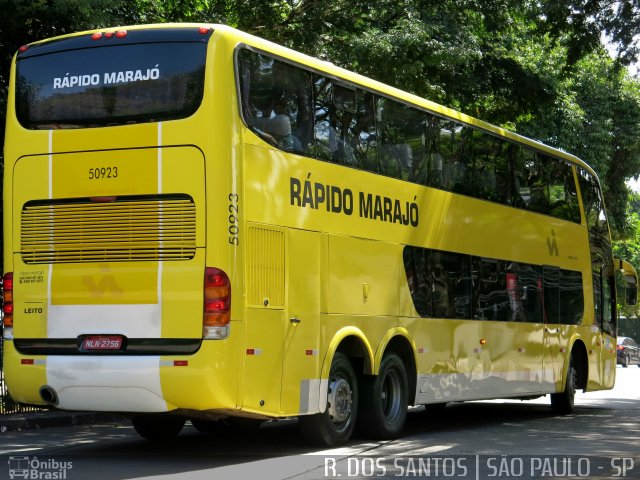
pixel 625 361
pixel 335 425
pixel 384 399
pixel 158 427
pixel 563 402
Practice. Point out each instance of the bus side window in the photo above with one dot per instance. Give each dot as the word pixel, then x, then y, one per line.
pixel 571 297
pixel 454 148
pixel 551 295
pixel 344 125
pixel 491 297
pixel 487 156
pixel 524 285
pixel 401 140
pixel 563 296
pixel 276 101
pixel 431 173
pixel 439 282
pixel 415 264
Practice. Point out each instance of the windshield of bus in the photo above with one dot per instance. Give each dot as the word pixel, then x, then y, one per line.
pixel 109 83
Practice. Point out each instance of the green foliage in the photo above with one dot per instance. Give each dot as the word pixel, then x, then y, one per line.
pixel 536 67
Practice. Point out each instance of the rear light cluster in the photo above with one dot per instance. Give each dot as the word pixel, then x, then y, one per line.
pixel 620 347
pixel 7 305
pixel 108 35
pixel 217 304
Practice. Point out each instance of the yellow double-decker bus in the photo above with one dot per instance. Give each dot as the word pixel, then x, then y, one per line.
pixel 200 224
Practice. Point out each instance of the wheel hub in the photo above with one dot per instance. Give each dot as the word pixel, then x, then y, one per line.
pixel 340 399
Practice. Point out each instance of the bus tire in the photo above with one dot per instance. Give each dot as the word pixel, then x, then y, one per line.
pixel 384 400
pixel 335 425
pixel 158 427
pixel 563 403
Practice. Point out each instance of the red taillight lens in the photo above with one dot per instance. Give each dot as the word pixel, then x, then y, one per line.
pixel 620 347
pixel 96 36
pixel 121 33
pixel 8 282
pixel 23 48
pixel 215 306
pixel 7 299
pixel 217 298
pixel 204 30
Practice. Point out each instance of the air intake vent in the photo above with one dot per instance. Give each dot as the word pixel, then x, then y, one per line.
pixel 119 229
pixel 265 266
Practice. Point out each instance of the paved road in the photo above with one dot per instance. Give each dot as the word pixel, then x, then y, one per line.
pixel 468 441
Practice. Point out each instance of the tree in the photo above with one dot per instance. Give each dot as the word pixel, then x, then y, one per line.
pixel 537 67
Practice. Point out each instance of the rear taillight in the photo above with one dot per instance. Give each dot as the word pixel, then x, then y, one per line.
pixel 217 304
pixel 7 305
pixel 620 347
pixel 108 35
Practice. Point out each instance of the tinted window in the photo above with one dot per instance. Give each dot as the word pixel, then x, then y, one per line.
pixel 524 288
pixel 507 291
pixel 453 285
pixel 339 122
pixel 110 85
pixel 492 301
pixel 276 101
pixel 545 185
pixel 402 132
pixel 563 296
pixel 454 152
pixel 440 282
pixel 344 124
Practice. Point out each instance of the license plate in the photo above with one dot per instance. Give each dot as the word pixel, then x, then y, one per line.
pixel 102 342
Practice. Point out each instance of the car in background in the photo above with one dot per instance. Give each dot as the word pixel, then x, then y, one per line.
pixel 628 352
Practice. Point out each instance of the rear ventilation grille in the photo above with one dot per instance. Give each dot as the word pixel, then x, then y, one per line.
pixel 120 229
pixel 265 265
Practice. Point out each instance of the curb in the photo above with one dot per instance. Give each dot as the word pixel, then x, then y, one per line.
pixel 49 419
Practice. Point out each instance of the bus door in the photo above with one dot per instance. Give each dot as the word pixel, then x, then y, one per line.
pixel 281 341
pixel 264 321
pixel 302 359
pixel 604 339
pixel 552 362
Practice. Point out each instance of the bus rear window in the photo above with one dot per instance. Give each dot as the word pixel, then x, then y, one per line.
pixel 110 85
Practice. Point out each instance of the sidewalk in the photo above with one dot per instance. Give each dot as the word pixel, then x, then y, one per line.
pixel 55 418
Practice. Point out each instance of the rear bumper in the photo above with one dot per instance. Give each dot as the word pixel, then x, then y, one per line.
pixel 126 383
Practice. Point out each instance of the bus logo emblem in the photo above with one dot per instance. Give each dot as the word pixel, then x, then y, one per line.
pixel 552 244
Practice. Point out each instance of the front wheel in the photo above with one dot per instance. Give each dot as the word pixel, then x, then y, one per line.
pixel 335 425
pixel 384 399
pixel 158 427
pixel 563 402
